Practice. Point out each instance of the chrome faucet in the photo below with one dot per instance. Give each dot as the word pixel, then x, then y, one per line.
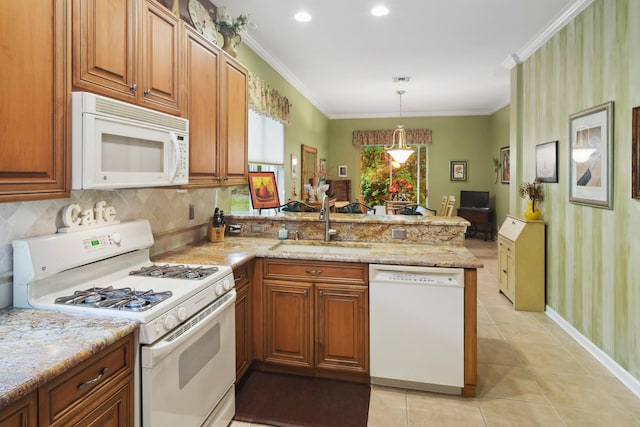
pixel 324 214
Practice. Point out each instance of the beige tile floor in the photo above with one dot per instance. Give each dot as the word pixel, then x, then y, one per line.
pixel 530 373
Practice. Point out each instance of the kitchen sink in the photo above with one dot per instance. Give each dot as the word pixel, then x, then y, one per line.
pixel 331 248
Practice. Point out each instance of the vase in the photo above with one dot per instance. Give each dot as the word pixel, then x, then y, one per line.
pixel 531 212
pixel 227 42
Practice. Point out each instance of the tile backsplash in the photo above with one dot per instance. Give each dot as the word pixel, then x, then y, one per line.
pixel 166 209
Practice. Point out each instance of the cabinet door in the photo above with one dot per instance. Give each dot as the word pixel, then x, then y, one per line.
pixel 234 124
pixel 288 323
pixel 342 327
pixel 202 81
pixel 34 106
pixel 104 51
pixel 243 320
pixel 160 59
pixel 22 413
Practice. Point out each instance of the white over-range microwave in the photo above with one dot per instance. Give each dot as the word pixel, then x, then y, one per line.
pixel 120 145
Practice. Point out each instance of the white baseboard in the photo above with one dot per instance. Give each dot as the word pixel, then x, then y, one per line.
pixel 605 360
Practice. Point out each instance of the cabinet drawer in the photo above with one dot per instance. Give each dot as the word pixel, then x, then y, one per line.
pixel 506 245
pixel 341 272
pixel 67 392
pixel 241 275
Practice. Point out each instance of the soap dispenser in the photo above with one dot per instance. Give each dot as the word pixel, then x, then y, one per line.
pixel 283 233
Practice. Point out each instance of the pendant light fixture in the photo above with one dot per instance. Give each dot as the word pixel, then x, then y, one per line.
pixel 402 152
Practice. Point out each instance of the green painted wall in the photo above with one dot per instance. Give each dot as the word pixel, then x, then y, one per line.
pixel 593 277
pixel 454 138
pixel 499 122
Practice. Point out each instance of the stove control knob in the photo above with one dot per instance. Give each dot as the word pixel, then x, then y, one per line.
pixel 182 313
pixel 219 289
pixel 227 284
pixel 170 322
pixel 116 238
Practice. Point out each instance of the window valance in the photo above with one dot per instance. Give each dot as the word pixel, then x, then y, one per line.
pixel 385 137
pixel 266 100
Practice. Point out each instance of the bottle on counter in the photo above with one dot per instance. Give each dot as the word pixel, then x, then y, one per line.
pixel 283 233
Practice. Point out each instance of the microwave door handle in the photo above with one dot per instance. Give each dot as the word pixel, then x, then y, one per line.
pixel 176 152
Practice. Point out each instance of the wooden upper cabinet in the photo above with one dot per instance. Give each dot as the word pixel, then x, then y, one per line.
pixel 34 106
pixel 128 50
pixel 160 59
pixel 202 73
pixel 235 123
pixel 104 47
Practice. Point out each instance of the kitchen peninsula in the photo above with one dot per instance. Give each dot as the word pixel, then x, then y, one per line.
pixel 275 265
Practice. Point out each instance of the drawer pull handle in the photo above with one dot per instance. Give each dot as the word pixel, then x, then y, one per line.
pixel 237 279
pixel 504 271
pixel 93 381
pixel 309 271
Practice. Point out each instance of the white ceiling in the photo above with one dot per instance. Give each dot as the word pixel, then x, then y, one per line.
pixel 457 52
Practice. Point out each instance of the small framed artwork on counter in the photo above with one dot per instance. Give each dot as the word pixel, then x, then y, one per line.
pixel 458 170
pixel 264 193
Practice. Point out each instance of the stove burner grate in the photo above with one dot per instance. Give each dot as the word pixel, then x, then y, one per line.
pixel 121 298
pixel 175 271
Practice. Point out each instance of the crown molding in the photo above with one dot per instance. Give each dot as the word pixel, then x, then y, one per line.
pixel 567 16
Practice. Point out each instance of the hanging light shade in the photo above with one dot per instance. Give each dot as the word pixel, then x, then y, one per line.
pixel 399 151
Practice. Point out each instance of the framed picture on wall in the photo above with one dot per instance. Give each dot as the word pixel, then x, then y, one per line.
pixel 635 156
pixel 342 171
pixel 590 159
pixel 547 162
pixel 458 170
pixel 505 163
pixel 264 193
pixel 322 170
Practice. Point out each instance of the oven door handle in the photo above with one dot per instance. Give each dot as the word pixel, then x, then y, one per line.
pixel 156 352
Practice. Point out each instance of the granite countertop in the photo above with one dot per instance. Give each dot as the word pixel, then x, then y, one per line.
pixel 235 251
pixel 38 345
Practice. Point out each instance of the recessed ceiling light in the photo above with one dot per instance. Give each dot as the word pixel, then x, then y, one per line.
pixel 302 17
pixel 379 11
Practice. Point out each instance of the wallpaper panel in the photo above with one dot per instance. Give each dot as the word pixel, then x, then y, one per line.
pixel 592 272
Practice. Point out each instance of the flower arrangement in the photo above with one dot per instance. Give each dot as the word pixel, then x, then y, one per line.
pixel 401 190
pixel 532 191
pixel 232 26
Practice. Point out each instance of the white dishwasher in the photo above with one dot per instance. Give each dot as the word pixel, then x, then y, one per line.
pixel 416 327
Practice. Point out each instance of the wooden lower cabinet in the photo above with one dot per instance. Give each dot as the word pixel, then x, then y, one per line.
pixel 23 413
pixel 288 323
pixel 316 318
pixel 244 331
pixel 98 392
pixel 342 327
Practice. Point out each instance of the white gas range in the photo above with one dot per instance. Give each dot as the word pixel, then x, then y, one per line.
pixel 186 314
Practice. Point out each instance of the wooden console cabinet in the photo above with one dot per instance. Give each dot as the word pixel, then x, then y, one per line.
pixel 478 217
pixel 316 318
pixel 521 263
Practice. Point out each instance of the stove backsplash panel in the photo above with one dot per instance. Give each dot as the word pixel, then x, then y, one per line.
pixel 166 209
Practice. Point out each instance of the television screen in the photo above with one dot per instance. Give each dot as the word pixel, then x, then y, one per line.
pixel 474 199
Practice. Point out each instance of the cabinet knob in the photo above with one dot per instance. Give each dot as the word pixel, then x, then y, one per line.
pixel 320 293
pixel 133 87
pixel 147 91
pixel 306 292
